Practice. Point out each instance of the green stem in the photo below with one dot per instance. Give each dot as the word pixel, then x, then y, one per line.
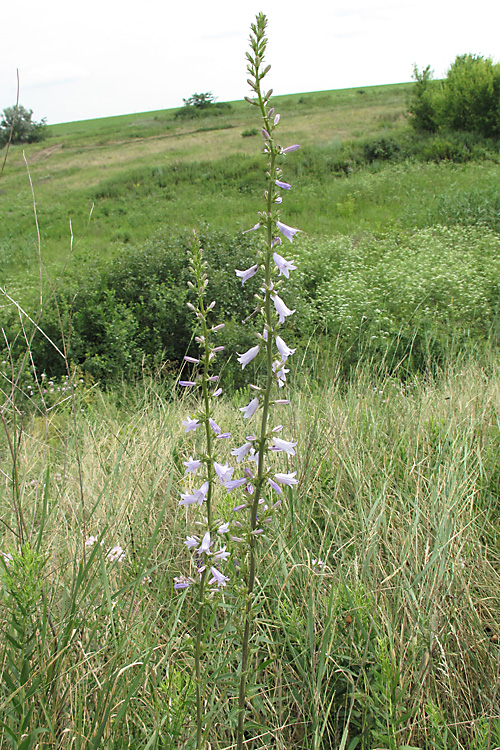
pixel 252 564
pixel 208 429
pixel 209 461
pixel 197 664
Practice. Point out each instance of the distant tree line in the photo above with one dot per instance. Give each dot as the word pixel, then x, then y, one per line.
pixel 468 99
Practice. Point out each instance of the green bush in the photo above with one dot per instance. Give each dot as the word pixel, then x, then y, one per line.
pixel 19 122
pixel 422 105
pixel 467 100
pixel 471 96
pixel 132 314
pixel 191 113
pixel 381 149
pixel 399 297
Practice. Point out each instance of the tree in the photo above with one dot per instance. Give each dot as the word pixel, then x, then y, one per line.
pixel 18 120
pixel 472 95
pixel 201 105
pixel 422 107
pixel 467 100
pixel 202 101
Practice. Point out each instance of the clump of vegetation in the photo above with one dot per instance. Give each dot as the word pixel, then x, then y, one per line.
pixel 202 105
pixel 396 296
pixel 467 100
pixel 18 126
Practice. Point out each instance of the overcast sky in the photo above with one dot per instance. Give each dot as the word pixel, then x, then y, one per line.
pixel 79 60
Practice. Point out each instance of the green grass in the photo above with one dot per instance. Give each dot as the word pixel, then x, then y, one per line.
pixel 393 643
pixel 149 170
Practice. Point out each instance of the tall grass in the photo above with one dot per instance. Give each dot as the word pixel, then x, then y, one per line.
pixel 392 642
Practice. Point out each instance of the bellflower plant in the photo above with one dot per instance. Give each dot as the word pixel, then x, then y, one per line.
pixel 258 485
pixel 207 560
pixel 273 311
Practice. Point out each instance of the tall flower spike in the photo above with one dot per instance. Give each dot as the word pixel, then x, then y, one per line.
pixel 205 494
pixel 270 305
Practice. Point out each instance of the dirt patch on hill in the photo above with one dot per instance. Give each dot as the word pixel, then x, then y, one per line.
pixel 45 153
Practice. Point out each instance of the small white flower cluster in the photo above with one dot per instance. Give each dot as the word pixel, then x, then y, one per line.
pixel 114 554
pixel 48 386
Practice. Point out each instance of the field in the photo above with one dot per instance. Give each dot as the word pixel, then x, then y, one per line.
pixel 141 173
pixel 376 598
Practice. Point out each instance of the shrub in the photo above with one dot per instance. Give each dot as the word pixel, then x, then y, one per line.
pixel 471 96
pixel 381 149
pixel 132 314
pixel 422 106
pixel 467 100
pixel 409 297
pixel 201 105
pixel 386 299
pixel 18 120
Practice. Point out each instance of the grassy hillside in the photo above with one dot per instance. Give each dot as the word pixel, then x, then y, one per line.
pixel 356 170
pixel 146 170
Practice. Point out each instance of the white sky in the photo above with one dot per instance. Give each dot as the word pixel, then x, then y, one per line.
pixel 97 58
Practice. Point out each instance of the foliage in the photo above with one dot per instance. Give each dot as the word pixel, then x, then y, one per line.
pixel 141 190
pixel 377 598
pixel 201 101
pixel 18 120
pixel 249 133
pixel 422 103
pixel 381 149
pixel 132 314
pixel 401 295
pixel 469 208
pixel 200 105
pixel 472 95
pixel 407 297
pixel 467 100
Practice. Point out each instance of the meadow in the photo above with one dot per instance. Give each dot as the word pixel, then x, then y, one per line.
pixel 377 591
